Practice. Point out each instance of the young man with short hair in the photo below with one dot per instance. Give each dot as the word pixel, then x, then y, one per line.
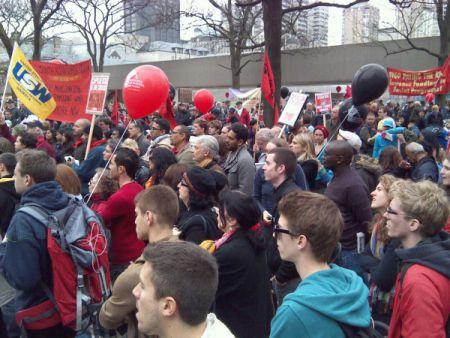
pixel 178 285
pixel 118 211
pixel 156 213
pixel 26 262
pixel 307 234
pixel 416 215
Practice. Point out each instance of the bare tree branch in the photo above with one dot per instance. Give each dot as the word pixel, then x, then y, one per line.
pixel 321 4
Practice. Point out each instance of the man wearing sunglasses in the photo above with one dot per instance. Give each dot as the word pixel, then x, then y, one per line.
pixel 416 216
pixel 307 233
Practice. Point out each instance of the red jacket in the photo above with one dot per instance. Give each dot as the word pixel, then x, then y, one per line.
pixel 244 117
pixel 421 305
pixel 118 211
pixel 42 144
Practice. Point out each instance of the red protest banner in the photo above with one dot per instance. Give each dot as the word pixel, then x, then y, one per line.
pixel 323 102
pixel 69 85
pixel 409 83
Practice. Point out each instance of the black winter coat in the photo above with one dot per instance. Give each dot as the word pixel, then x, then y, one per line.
pixel 243 298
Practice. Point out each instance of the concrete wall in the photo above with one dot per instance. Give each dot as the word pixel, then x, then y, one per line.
pixel 315 66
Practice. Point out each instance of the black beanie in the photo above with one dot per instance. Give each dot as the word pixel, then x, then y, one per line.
pixel 200 181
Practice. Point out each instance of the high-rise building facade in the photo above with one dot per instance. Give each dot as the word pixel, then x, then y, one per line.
pixel 159 20
pixel 420 19
pixel 360 24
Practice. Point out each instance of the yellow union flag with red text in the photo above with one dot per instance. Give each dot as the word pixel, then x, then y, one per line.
pixel 28 85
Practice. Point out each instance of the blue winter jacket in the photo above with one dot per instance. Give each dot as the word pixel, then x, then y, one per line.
pixel 382 143
pixel 321 301
pixel 86 169
pixel 25 260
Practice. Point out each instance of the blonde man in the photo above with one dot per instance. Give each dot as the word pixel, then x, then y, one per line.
pixel 416 216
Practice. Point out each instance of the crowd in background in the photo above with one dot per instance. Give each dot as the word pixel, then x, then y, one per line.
pixel 314 229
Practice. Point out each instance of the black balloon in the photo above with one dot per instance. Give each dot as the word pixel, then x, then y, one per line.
pixel 369 83
pixel 171 91
pixel 284 92
pixel 353 116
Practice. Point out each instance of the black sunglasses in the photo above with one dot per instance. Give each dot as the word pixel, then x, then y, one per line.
pixel 277 230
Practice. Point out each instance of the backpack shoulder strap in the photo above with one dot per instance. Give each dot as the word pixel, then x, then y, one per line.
pixel 36 211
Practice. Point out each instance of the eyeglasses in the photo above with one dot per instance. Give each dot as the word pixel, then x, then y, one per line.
pixel 156 129
pixel 277 230
pixel 393 212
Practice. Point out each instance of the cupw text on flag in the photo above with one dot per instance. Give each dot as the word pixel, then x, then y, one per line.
pixel 29 86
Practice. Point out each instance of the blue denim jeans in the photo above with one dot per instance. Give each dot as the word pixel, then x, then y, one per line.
pixel 350 259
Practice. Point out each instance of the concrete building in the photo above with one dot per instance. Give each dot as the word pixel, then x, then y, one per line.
pixel 159 20
pixel 360 24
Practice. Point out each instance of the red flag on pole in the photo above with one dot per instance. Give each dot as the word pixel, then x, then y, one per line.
pixel 268 86
pixel 348 92
pixel 115 109
pixel 166 111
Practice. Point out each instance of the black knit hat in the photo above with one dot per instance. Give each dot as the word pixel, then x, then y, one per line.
pixel 201 181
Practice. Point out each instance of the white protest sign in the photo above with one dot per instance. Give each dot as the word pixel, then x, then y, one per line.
pixel 97 93
pixel 323 102
pixel 292 110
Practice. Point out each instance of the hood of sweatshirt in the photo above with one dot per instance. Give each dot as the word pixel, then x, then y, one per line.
pixel 432 252
pixel 47 194
pixel 337 293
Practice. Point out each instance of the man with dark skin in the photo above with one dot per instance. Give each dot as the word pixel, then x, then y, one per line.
pixel 351 195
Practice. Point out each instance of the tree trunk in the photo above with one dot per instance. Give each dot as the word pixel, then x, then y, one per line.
pixel 272 15
pixel 235 65
pixel 37 41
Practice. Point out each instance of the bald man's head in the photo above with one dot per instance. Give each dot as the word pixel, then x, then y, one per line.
pixel 79 125
pixel 337 153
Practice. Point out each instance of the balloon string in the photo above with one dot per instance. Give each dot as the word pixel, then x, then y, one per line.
pixel 109 160
pixel 332 136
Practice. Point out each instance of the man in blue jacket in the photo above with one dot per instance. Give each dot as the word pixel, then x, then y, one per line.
pixel 26 262
pixel 307 234
pixel 94 160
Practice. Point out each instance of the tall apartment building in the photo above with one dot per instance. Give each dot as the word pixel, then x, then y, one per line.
pixel 311 29
pixel 360 24
pixel 420 19
pixel 159 20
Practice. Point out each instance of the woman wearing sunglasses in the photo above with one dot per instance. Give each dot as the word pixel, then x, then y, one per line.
pixel 379 261
pixel 198 189
pixel 243 297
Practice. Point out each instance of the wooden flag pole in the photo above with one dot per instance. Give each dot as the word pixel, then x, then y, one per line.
pixel 91 131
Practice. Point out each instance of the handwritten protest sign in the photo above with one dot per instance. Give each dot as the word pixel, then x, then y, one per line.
pixel 292 110
pixel 323 102
pixel 97 93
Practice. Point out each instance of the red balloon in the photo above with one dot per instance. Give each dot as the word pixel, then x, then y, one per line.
pixel 203 100
pixel 429 97
pixel 227 95
pixel 144 90
pixel 338 89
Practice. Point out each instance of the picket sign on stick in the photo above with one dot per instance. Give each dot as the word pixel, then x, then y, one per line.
pixel 109 160
pixel 282 131
pixel 91 131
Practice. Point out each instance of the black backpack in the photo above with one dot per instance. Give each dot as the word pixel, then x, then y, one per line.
pixel 376 330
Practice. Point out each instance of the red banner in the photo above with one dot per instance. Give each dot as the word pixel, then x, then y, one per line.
pixel 409 83
pixel 69 85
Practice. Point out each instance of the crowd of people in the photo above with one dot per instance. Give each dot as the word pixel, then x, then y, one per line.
pixel 221 227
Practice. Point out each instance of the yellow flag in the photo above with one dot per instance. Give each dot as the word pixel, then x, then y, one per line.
pixel 28 85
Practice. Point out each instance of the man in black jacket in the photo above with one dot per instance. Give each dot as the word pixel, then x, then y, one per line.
pixel 279 170
pixel 424 167
pixel 8 195
pixel 351 195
